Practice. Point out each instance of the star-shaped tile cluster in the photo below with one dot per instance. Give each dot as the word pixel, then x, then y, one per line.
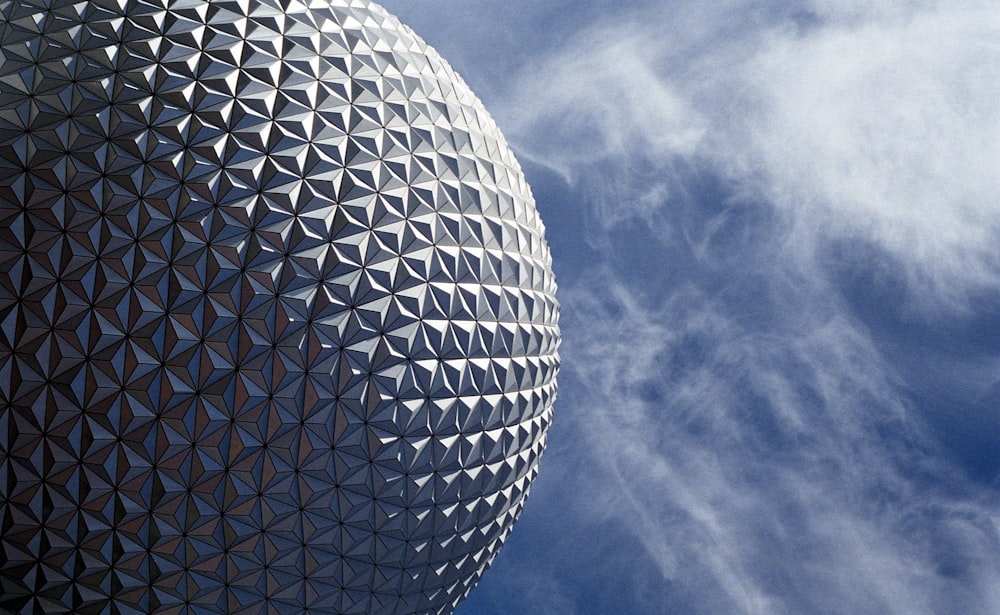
pixel 277 317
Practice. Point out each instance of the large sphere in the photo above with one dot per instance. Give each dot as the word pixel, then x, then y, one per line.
pixel 277 318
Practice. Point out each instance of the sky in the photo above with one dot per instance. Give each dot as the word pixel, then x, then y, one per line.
pixel 775 230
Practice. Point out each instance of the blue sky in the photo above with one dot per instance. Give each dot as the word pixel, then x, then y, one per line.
pixel 775 228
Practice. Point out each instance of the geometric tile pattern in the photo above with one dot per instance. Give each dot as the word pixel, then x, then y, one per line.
pixel 278 328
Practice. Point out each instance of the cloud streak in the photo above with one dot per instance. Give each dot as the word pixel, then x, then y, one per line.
pixel 852 121
pixel 778 471
pixel 747 424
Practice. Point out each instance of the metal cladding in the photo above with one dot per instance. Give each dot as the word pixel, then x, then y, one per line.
pixel 277 318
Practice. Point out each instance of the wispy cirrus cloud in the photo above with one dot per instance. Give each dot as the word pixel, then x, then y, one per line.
pixel 776 470
pixel 852 119
pixel 747 424
pixel 884 128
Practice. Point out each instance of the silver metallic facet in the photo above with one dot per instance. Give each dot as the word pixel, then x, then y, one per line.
pixel 277 318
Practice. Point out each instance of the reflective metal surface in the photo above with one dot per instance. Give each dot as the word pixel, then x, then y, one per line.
pixel 277 318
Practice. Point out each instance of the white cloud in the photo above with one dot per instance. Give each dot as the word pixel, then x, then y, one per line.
pixel 606 103
pixel 595 110
pixel 861 121
pixel 888 130
pixel 755 466
pixel 775 464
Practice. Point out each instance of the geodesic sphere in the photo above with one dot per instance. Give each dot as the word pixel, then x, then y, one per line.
pixel 277 318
